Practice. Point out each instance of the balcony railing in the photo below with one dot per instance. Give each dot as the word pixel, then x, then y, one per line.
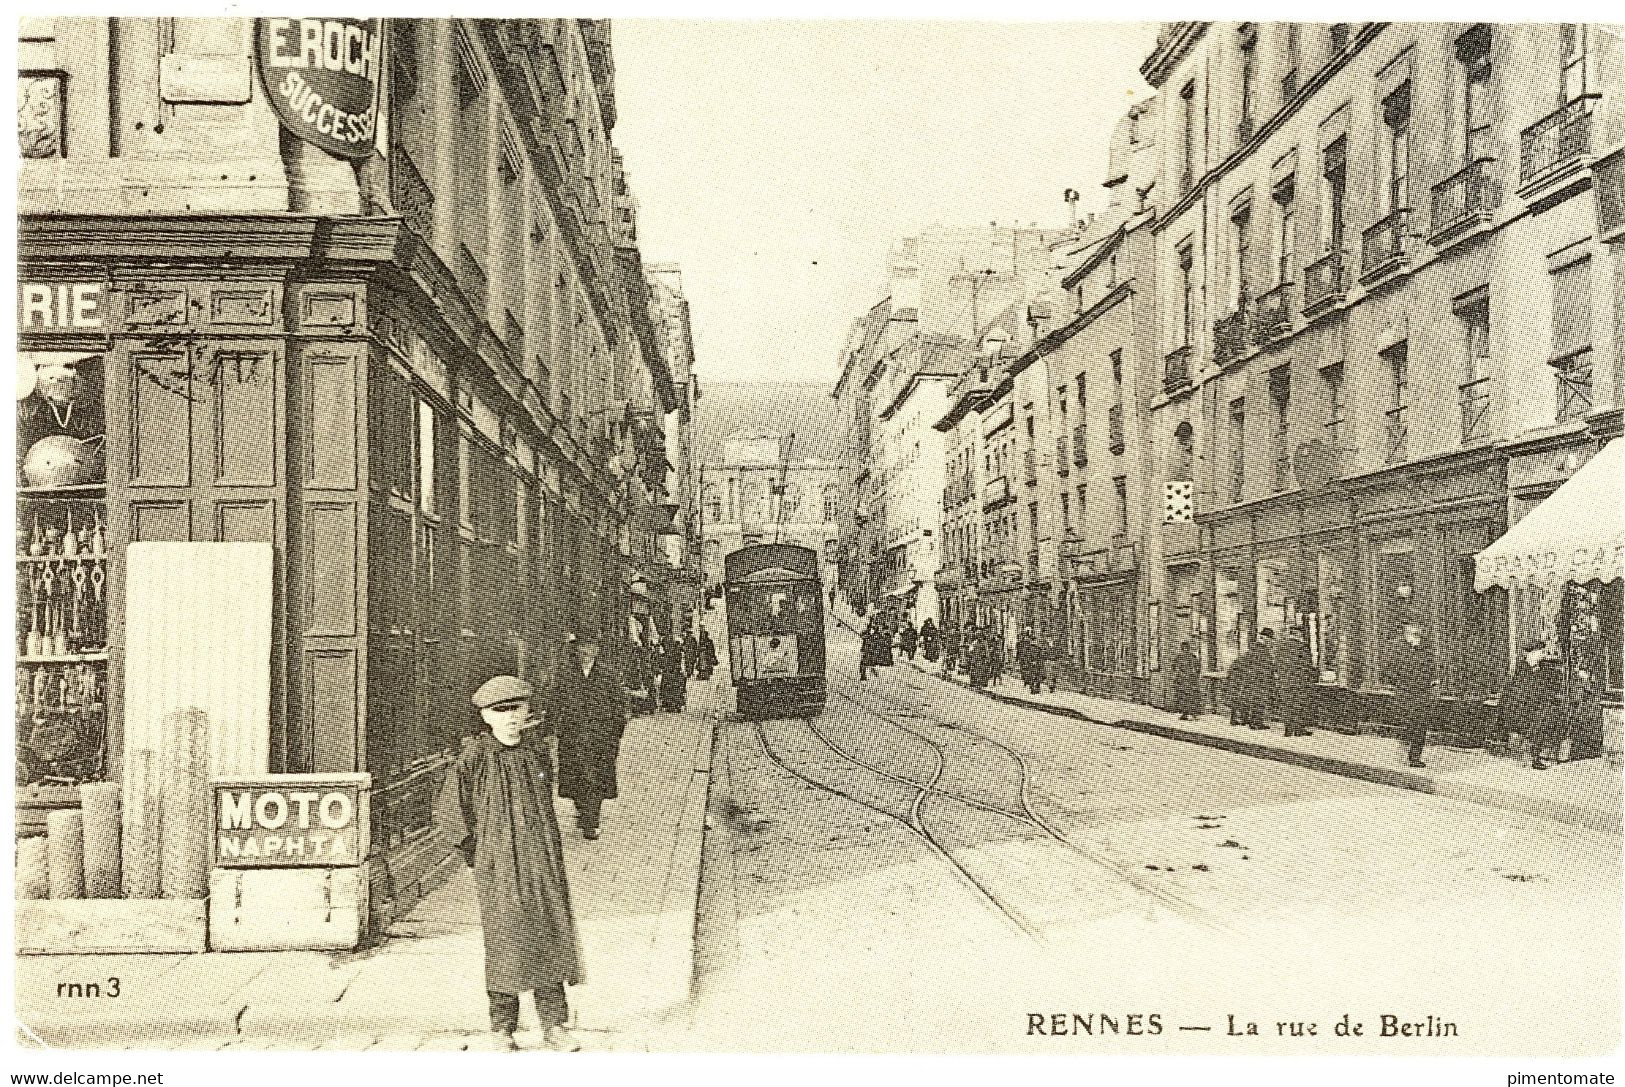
pixel 410 193
pixel 1114 428
pixel 1466 197
pixel 1230 335
pixel 1029 462
pixel 1557 139
pixel 1396 433
pixel 1176 369
pixel 1273 314
pixel 1474 398
pixel 1382 246
pixel 1574 386
pixel 1080 445
pixel 1323 282
pixel 1280 461
pixel 997 492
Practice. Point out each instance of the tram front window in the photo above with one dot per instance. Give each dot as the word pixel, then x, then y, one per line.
pixel 776 609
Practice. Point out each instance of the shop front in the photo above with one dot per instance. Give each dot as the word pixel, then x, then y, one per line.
pixel 1562 561
pixel 1106 590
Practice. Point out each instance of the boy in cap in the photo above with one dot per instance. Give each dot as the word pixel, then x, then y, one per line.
pixel 496 807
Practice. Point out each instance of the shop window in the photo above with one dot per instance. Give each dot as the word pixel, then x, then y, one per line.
pixel 1232 626
pixel 1328 622
pixel 62 568
pixel 1394 600
pixel 1276 595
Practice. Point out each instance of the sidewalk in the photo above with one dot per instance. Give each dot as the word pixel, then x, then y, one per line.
pixel 635 893
pixel 1585 793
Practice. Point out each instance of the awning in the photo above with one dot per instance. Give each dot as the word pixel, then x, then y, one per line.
pixel 1576 535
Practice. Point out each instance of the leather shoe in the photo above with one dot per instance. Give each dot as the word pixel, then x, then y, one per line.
pixel 590 833
pixel 560 1039
pixel 1419 764
pixel 497 1041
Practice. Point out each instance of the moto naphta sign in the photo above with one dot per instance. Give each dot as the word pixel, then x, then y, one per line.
pixel 322 78
pixel 289 821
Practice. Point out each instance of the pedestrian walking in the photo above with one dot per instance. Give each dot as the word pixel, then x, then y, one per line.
pixel 952 643
pixel 1186 672
pixel 869 647
pixel 930 641
pixel 496 809
pixel 995 656
pixel 691 654
pixel 1028 663
pixel 673 680
pixel 588 714
pixel 1410 670
pixel 908 639
pixel 1294 680
pixel 1248 684
pixel 708 655
pixel 635 678
pixel 1534 701
pixel 1050 659
pixel 978 659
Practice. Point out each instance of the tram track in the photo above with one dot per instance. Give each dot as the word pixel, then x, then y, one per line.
pixel 1029 817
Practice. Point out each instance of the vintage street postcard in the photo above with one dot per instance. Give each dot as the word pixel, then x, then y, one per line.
pixel 818 537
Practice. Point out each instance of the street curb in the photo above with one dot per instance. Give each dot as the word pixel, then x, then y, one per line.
pixel 1558 811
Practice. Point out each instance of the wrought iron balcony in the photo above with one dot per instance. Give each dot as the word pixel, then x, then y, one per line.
pixel 1114 428
pixel 1176 369
pixel 1474 398
pixel 1397 433
pixel 1324 283
pixel 1230 335
pixel 1465 199
pixel 1080 445
pixel 410 193
pixel 1272 315
pixel 1556 140
pixel 1575 391
pixel 1382 245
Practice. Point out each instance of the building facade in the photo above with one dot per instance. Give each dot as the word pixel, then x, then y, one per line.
pixel 414 371
pixel 758 492
pixel 1385 328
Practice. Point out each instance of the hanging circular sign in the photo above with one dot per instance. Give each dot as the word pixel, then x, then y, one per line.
pixel 322 78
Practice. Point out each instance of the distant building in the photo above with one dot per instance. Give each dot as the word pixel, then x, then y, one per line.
pixel 769 470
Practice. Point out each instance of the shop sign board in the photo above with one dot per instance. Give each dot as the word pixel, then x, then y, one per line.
pixel 290 821
pixel 322 77
pixel 60 307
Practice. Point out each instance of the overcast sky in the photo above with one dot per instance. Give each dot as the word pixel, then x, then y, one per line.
pixel 777 161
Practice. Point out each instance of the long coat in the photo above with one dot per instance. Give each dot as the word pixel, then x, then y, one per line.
pixel 1533 703
pixel 589 714
pixel 496 808
pixel 1248 686
pixel 1295 683
pixel 1410 670
pixel 1186 667
pixel 930 641
pixel 708 656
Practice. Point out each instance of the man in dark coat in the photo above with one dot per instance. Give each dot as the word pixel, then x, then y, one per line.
pixel 589 716
pixel 908 639
pixel 1534 701
pixel 1028 661
pixel 869 646
pixel 1248 684
pixel 496 809
pixel 1410 670
pixel 952 647
pixel 708 655
pixel 1186 671
pixel 930 641
pixel 691 654
pixel 994 640
pixel 976 658
pixel 1295 683
pixel 673 680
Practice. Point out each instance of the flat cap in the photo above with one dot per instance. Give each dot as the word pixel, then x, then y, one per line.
pixel 499 689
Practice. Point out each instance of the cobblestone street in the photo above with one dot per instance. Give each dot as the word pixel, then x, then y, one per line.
pixel 1196 883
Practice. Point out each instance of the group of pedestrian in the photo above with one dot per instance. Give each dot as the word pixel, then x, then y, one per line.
pixel 1271 680
pixel 982 648
pixel 496 808
pixel 881 634
pixel 1038 660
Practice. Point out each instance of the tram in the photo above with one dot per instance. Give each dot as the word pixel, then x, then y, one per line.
pixel 775 613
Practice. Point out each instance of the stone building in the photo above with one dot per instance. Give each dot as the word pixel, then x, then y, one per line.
pixel 1386 330
pixel 397 342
